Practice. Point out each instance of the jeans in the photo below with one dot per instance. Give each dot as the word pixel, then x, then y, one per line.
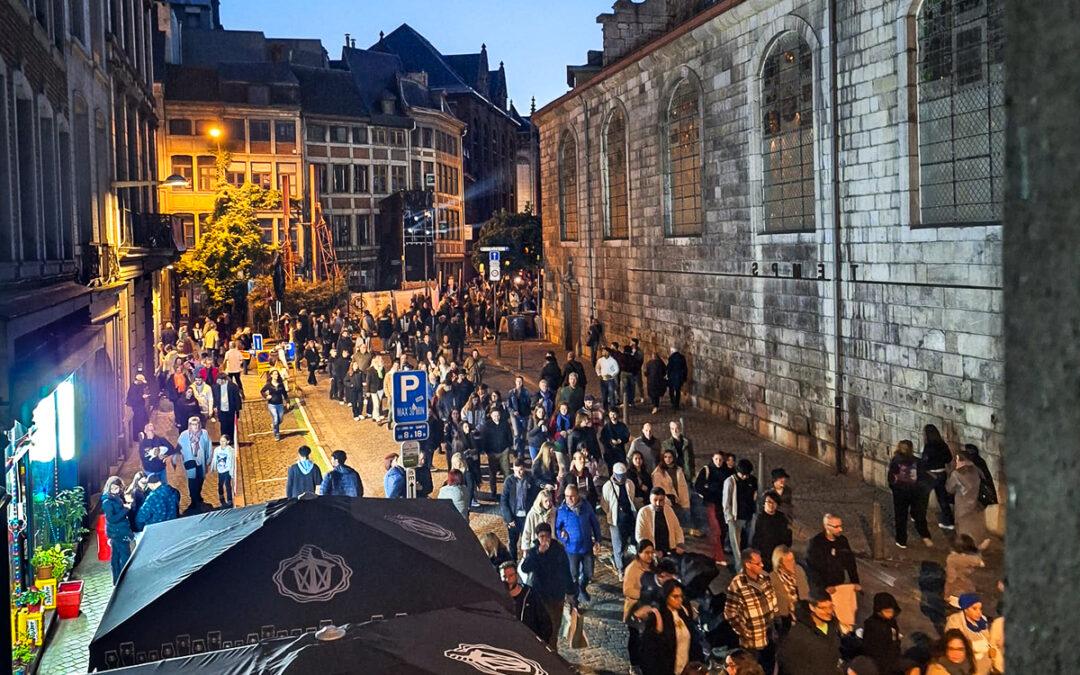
pixel 337 389
pixel 905 501
pixel 497 461
pixel 581 570
pixel 944 499
pixel 195 486
pixel 716 532
pixel 621 537
pixel 235 377
pixel 277 412
pixel 121 551
pixel 737 535
pixel 224 488
pixel 626 387
pixel 228 425
pixel 515 535
pixel 609 397
pixel 554 609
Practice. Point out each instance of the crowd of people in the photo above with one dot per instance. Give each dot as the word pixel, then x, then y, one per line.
pixel 566 474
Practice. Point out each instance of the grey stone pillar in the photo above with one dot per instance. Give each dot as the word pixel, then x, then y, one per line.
pixel 1042 336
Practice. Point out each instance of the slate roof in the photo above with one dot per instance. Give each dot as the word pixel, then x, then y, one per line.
pixel 466 65
pixel 330 92
pixel 256 73
pixel 210 47
pixel 417 54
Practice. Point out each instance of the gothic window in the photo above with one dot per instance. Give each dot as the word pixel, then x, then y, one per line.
pixel 787 110
pixel 960 81
pixel 682 165
pixel 616 203
pixel 568 198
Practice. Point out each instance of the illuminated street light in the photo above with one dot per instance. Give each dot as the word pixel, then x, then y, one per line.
pixel 175 180
pixel 215 132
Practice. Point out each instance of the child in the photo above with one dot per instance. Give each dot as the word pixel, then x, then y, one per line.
pixel 224 458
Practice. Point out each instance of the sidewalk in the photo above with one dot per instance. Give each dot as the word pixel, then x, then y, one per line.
pixel 915 576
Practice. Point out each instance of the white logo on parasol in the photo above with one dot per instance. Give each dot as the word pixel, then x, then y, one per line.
pixel 424 528
pixel 494 661
pixel 312 575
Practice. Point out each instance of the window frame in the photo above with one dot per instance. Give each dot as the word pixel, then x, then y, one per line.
pixel 606 183
pixel 565 192
pixel 668 190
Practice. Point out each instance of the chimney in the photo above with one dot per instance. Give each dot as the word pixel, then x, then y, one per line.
pixel 352 43
pixel 346 39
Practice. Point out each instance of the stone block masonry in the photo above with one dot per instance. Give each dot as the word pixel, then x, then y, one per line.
pixel 753 309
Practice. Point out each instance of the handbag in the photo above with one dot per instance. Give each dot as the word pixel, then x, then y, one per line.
pixel 574 628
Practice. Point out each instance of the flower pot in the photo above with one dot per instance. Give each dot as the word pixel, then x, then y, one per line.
pixel 44 572
pixel 69 599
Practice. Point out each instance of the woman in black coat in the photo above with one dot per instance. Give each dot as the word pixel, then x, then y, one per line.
pixel 311 355
pixel 669 638
pixel 656 375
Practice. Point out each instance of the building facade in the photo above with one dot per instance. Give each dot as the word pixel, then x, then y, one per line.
pixel 688 185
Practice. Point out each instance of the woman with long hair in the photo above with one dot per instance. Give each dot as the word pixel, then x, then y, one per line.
pixel 936 458
pixel 134 495
pixel 638 474
pixel 117 524
pixel 466 445
pixel 545 467
pixel 537 431
pixel 543 511
pixel 643 562
pixel 953 656
pixel 495 549
pixel 668 638
pixel 277 398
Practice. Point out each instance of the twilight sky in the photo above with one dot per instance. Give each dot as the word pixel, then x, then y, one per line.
pixel 536 40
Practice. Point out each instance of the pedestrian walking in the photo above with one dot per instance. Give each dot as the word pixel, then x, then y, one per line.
pixel 235 365
pixel 669 477
pixel 607 370
pixel 578 529
pixel 224 464
pixel 138 397
pixel 186 407
pixel 551 373
pixel 907 493
pixel 354 390
pixel 739 499
pixel 789 585
pixel 812 647
pixel 964 485
pixel 455 490
pixel 975 627
pixel 543 510
pixel 394 484
pixel 614 437
pixel 832 570
pixel 677 374
pixel 497 440
pixel 374 386
pixel 153 451
pixel 341 480
pixel 574 366
pixel 162 503
pixel 304 475
pixel 657 522
pixel 619 504
pixel 311 356
pixel 656 376
pixel 528 607
pixel 277 398
pixel 750 608
pixel 228 400
pixel 519 492
pixel 594 338
pixel 669 638
pixel 953 656
pixel 709 486
pixel 770 529
pixel 117 524
pixel 882 641
pixel 548 567
pixel 935 460
pixel 195 451
pixel 641 564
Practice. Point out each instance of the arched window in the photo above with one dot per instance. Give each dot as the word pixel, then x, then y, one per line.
pixel 568 200
pixel 682 161
pixel 960 78
pixel 787 135
pixel 616 203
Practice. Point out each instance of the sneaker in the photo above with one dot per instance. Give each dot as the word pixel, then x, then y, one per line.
pixel 946 527
pixel 928 541
pixel 654 411
pixel 474 505
pixel 899 545
pixel 356 418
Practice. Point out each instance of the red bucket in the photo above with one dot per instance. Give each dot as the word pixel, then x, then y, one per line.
pixel 104 551
pixel 69 599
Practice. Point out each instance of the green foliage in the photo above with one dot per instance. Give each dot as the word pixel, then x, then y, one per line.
pixel 68 511
pixel 54 557
pixel 521 232
pixel 230 248
pixel 30 597
pixel 23 652
pixel 317 297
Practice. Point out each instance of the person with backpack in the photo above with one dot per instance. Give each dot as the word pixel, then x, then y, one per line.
pixel 964 485
pixel 907 492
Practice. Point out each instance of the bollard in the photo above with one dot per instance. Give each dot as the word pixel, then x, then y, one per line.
pixel 498 346
pixel 521 359
pixel 876 532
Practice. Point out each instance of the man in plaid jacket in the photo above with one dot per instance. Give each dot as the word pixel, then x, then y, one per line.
pixel 751 608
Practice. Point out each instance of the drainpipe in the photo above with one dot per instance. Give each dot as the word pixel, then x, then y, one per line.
pixel 838 305
pixel 588 211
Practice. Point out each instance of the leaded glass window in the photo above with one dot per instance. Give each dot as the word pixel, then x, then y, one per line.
pixel 682 168
pixel 616 203
pixel 568 201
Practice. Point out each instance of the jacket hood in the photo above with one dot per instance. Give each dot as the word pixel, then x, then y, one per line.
pixel 885 601
pixel 305 465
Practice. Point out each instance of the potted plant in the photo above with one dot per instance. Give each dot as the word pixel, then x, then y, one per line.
pixel 49 563
pixel 22 655
pixel 31 599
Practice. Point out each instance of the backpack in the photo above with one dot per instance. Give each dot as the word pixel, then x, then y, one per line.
pixel 987 493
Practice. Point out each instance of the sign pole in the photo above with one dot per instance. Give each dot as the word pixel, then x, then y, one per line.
pixel 410 483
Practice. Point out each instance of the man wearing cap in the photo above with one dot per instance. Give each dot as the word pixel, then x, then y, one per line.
pixel 657 522
pixel 618 495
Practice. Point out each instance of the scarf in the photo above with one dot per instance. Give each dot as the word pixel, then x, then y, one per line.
pixel 979 626
pixel 788 579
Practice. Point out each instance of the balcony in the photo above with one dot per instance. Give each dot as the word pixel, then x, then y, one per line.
pixel 150 230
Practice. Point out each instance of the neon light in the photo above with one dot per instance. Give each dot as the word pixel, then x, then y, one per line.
pixel 65 412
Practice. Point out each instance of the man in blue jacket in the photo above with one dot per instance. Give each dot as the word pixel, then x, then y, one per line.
pixel 394 481
pixel 342 479
pixel 162 503
pixel 577 527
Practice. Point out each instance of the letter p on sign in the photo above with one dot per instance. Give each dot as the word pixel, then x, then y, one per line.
pixel 409 383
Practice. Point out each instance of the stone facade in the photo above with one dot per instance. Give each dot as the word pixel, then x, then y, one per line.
pixel 751 305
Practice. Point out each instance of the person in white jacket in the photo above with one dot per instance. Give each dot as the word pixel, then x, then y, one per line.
pixel 656 522
pixel 224 462
pixel 607 369
pixel 740 495
pixel 618 496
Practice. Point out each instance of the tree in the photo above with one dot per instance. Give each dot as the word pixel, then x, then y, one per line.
pixel 520 232
pixel 230 248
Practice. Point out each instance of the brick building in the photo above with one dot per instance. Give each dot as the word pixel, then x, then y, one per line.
pixel 688 185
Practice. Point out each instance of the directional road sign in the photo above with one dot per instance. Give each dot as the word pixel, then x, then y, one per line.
pixel 411 432
pixel 257 342
pixel 494 266
pixel 410 389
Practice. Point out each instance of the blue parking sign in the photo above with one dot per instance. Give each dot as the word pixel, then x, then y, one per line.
pixel 257 341
pixel 409 396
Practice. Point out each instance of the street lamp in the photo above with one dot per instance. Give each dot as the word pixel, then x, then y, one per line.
pixel 175 180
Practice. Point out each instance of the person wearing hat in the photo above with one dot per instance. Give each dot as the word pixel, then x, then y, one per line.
pixel 882 638
pixel 780 486
pixel 618 496
pixel 137 396
pixel 975 626
pixel 739 498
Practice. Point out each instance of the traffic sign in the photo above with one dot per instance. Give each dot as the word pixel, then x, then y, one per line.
pixel 256 341
pixel 410 454
pixel 429 180
pixel 494 266
pixel 409 396
pixel 411 432
pixel 501 249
